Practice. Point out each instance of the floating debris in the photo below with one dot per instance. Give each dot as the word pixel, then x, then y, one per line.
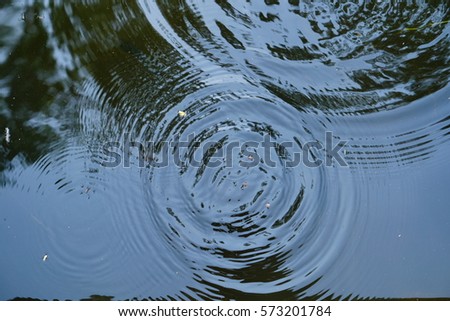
pixel 432 24
pixel 7 135
pixel 87 190
pixel 29 16
pixel 45 258
pixel 267 205
pixel 181 113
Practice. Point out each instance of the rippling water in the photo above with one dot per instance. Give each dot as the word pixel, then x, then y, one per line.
pixel 374 75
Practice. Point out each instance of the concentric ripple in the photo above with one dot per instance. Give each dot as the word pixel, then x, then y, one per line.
pixel 223 97
pixel 366 50
pixel 231 211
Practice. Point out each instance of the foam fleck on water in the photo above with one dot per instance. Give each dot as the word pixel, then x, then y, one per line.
pixel 7 135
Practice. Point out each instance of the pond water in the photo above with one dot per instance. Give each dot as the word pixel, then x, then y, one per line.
pixel 275 150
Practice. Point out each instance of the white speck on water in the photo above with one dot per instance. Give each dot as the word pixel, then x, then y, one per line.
pixel 45 257
pixel 399 235
pixel 7 135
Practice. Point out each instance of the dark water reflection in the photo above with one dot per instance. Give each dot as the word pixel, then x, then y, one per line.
pixel 76 75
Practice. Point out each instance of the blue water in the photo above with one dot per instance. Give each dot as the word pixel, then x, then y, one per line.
pixel 166 89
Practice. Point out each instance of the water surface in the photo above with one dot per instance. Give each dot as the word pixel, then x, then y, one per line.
pixel 75 76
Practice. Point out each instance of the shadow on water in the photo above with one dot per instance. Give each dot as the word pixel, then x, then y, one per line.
pixel 74 76
pixel 31 86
